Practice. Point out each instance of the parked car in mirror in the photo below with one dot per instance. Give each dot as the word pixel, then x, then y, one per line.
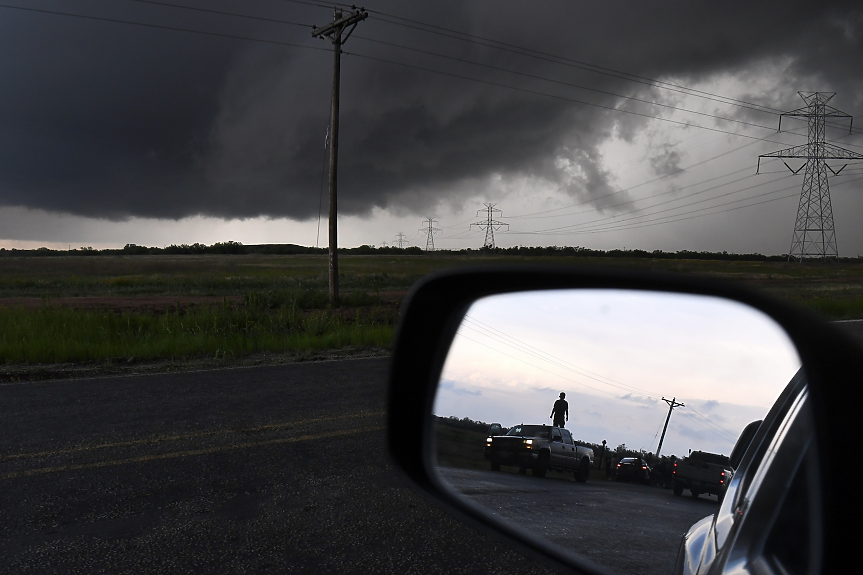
pixel 632 469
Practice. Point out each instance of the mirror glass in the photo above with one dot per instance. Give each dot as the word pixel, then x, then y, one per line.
pixel 602 420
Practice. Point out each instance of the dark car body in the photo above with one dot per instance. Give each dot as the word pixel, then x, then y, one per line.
pixel 777 472
pixel 702 473
pixel 632 469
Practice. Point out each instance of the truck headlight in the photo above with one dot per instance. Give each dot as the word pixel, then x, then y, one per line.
pixel 528 441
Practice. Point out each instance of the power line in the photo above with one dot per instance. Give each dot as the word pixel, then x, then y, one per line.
pixel 562 83
pixel 681 170
pixel 669 191
pixel 596 221
pixel 561 60
pixel 679 219
pixel 162 27
pixel 616 226
pixel 711 422
pixel 527 348
pixel 220 12
pixel 626 398
pixel 564 98
pixel 529 52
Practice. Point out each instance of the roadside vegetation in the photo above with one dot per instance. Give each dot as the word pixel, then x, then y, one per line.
pixel 279 322
pixel 59 308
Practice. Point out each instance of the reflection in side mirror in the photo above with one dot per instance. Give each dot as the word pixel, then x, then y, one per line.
pixel 567 374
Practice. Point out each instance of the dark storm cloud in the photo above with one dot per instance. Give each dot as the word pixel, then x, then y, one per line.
pixel 110 120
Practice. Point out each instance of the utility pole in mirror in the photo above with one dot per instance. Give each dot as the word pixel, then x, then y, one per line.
pixel 334 32
pixel 672 403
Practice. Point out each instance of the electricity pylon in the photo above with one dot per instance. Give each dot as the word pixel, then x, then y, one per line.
pixel 401 240
pixel 490 225
pixel 428 225
pixel 814 234
pixel 333 32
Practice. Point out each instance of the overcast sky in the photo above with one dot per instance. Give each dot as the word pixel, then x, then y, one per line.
pixel 114 133
pixel 616 354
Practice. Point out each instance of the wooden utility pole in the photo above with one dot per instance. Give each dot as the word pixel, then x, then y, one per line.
pixel 672 403
pixel 333 32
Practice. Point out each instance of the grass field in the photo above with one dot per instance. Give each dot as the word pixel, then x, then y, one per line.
pixel 279 303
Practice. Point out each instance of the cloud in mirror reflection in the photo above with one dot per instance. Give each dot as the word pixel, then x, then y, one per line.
pixel 616 354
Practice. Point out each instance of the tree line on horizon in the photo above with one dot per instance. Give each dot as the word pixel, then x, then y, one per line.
pixel 238 248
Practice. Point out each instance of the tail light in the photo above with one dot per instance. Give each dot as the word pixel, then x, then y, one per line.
pixel 643 467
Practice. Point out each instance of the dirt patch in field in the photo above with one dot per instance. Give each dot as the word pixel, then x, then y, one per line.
pixel 145 304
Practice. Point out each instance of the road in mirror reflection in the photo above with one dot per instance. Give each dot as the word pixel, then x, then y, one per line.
pixel 617 355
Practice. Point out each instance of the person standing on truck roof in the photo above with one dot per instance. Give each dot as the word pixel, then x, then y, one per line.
pixel 559 411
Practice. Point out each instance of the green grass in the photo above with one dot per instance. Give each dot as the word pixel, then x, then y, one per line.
pixel 57 335
pixel 285 306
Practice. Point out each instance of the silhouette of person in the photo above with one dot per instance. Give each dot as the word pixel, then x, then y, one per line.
pixel 559 411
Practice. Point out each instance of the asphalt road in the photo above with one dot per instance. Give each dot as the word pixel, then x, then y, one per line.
pixel 256 470
pixel 629 528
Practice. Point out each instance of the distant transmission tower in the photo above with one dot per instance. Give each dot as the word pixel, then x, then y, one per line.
pixel 428 225
pixel 490 225
pixel 814 235
pixel 401 240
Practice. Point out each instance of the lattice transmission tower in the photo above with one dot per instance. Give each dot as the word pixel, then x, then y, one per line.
pixel 489 225
pixel 401 240
pixel 814 234
pixel 428 226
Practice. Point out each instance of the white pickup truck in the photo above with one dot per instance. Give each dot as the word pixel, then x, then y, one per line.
pixel 539 448
pixel 702 472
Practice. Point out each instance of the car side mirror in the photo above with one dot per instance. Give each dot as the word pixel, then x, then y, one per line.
pixel 743 442
pixel 433 342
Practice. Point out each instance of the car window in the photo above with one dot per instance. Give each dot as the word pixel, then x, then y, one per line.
pixel 555 435
pixel 540 431
pixel 567 438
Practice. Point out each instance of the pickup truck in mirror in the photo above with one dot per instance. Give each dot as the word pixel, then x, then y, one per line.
pixel 667 385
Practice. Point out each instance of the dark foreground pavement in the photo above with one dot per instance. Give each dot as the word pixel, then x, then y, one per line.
pixel 629 528
pixel 259 470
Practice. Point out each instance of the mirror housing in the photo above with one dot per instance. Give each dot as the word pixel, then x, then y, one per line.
pixel 433 311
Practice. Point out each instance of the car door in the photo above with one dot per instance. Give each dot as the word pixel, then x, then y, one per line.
pixel 569 452
pixel 557 447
